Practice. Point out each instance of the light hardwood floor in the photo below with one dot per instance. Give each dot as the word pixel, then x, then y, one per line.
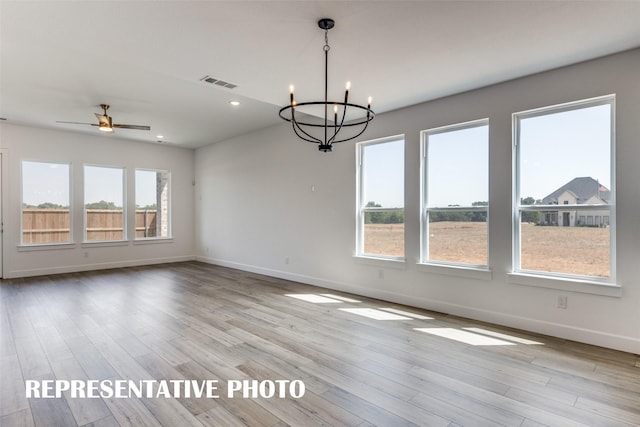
pixel 196 321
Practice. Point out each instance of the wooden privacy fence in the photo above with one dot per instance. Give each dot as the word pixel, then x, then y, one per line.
pixel 53 225
pixel 45 225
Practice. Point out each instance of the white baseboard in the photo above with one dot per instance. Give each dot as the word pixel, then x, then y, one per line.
pixel 96 266
pixel 587 336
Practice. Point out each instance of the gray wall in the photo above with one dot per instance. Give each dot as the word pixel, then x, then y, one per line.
pixel 25 143
pixel 255 209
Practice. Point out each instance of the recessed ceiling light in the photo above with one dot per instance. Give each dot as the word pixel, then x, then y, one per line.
pixel 160 136
pixel 234 103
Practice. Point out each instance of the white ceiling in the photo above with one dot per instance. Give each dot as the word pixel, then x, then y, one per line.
pixel 61 59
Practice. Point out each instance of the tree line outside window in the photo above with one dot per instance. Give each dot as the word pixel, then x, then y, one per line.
pixel 47 206
pixel 553 145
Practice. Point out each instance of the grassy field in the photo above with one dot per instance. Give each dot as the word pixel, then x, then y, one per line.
pixel 572 250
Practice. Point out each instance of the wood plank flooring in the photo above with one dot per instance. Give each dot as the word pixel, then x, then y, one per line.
pixel 201 322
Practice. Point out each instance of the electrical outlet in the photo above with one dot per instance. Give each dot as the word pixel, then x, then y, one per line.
pixel 562 302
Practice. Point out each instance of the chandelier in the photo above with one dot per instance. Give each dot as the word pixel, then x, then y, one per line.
pixel 308 123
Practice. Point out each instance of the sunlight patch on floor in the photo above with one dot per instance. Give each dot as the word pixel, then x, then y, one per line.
pixel 340 297
pixel 503 336
pixel 372 313
pixel 464 336
pixel 406 313
pixel 314 298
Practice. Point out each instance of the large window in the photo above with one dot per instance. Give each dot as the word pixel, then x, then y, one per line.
pixel 153 204
pixel 45 203
pixel 455 172
pixel 104 203
pixel 380 227
pixel 564 219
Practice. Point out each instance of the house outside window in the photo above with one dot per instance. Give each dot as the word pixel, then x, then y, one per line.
pixel 564 165
pixel 380 202
pixel 153 204
pixel 455 194
pixel 46 214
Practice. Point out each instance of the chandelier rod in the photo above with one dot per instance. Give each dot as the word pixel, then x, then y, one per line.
pixel 326 80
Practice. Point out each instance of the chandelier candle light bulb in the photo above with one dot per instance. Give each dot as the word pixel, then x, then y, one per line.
pixel 306 122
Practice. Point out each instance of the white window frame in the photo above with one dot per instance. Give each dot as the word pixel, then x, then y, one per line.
pixel 361 209
pixel 557 280
pixel 424 197
pixel 85 241
pixel 169 236
pixel 46 245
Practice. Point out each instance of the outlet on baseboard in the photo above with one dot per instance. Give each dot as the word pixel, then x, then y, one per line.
pixel 562 302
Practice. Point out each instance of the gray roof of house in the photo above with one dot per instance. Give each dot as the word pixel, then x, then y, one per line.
pixel 583 188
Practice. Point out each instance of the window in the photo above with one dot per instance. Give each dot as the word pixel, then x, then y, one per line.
pixel 45 203
pixel 380 226
pixel 153 199
pixel 564 184
pixel 455 194
pixel 104 203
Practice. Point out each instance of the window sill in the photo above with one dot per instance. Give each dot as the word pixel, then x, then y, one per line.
pixel 45 246
pixel 471 272
pixel 104 243
pixel 398 263
pixel 153 240
pixel 566 284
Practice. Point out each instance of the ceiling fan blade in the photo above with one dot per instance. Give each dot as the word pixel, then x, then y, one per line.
pixel 137 127
pixel 105 122
pixel 76 123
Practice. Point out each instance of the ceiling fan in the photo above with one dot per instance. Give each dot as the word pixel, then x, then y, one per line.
pixel 106 124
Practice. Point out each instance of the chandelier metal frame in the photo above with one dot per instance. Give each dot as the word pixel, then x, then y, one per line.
pixel 304 129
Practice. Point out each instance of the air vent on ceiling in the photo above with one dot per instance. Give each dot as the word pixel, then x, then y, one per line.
pixel 218 82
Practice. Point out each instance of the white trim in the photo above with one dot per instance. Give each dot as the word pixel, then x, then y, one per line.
pixel 122 169
pixel 383 262
pixel 71 210
pixel 567 106
pixel 424 197
pixel 456 126
pixel 103 243
pixel 553 279
pixel 152 240
pixel 97 266
pixel 4 208
pixel 467 271
pixel 360 194
pixel 169 202
pixel 44 246
pixel 588 336
pixel 567 284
